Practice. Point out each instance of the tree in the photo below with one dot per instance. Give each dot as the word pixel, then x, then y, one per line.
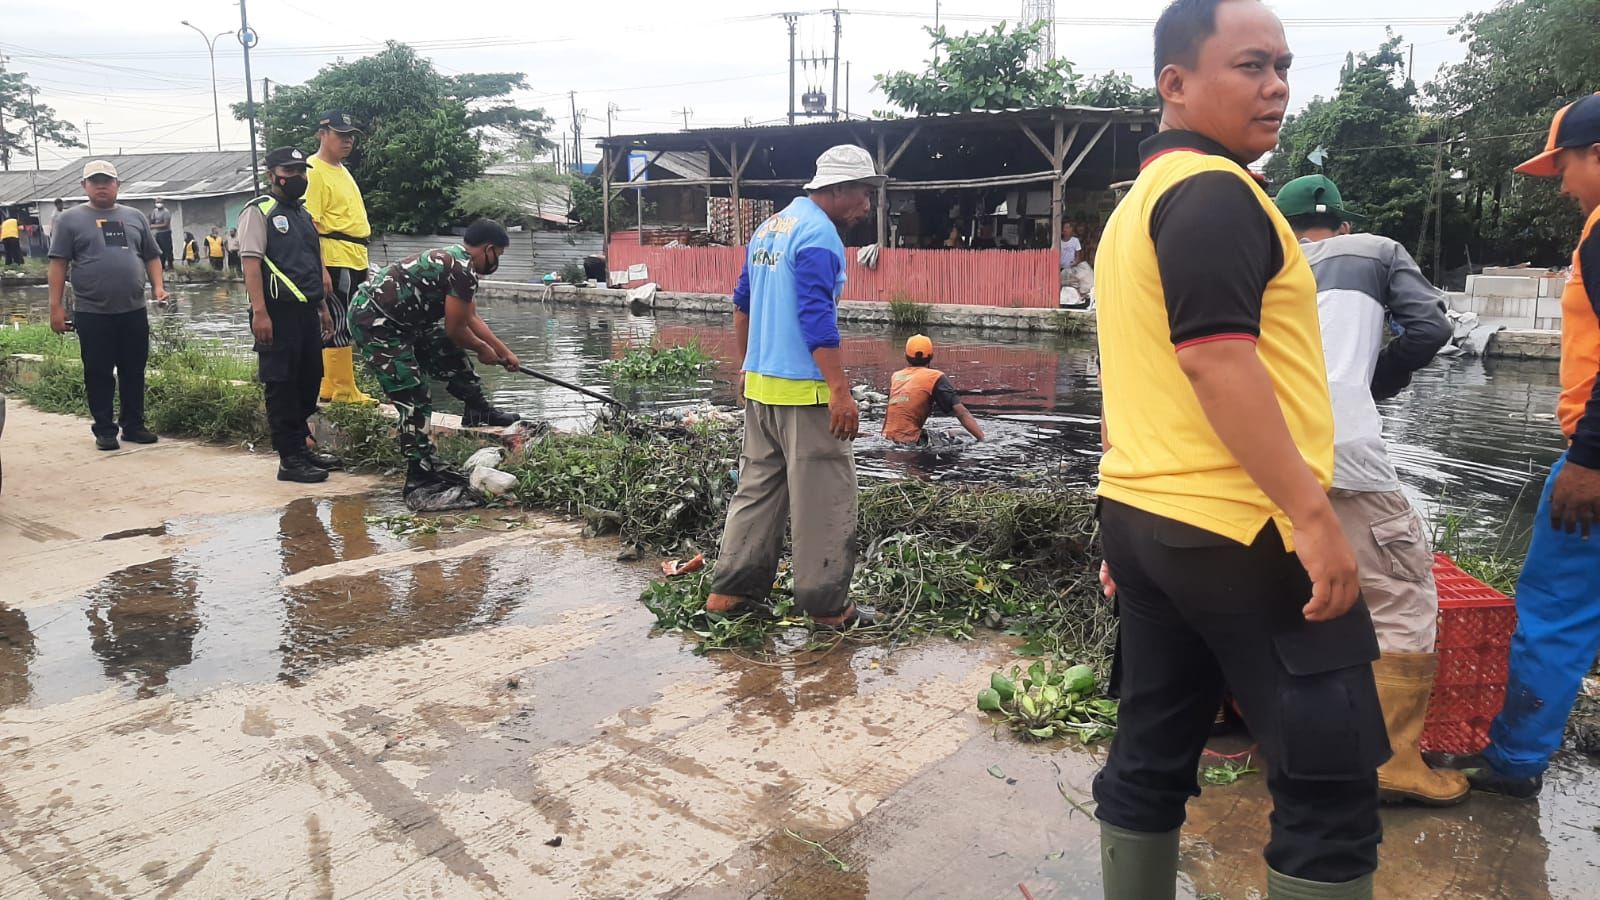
pixel 425 132
pixel 532 187
pixel 1371 137
pixel 1115 90
pixel 1524 61
pixel 985 70
pixel 27 119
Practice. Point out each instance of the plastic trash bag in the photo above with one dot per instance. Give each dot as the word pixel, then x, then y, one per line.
pixel 488 456
pixel 492 481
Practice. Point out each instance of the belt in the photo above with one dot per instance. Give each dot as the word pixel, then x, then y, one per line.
pixel 347 238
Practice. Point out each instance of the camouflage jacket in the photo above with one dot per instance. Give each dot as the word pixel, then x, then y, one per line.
pixel 411 292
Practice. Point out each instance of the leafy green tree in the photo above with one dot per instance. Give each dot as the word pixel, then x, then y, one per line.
pixel 24 115
pixel 983 70
pixel 532 186
pixel 426 133
pixel 1372 142
pixel 1524 61
pixel 1116 90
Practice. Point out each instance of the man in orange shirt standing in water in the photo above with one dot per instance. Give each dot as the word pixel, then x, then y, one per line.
pixel 919 390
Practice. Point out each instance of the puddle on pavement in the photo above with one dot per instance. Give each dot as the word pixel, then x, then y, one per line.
pixel 218 612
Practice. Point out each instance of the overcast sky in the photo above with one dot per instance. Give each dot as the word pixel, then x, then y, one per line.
pixel 142 78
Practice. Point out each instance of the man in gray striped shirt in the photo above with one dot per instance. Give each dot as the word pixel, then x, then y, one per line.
pixel 1364 282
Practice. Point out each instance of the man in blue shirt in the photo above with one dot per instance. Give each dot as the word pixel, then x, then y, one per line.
pixel 797 466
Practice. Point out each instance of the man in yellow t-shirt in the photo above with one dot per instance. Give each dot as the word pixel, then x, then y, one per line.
pixel 1227 562
pixel 336 206
pixel 11 238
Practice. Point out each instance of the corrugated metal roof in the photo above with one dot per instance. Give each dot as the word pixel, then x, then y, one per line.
pixel 176 176
pixel 18 187
pixel 694 138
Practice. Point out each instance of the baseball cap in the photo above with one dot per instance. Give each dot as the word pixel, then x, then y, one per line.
pixel 339 120
pixel 285 156
pixel 98 167
pixel 1575 125
pixel 843 164
pixel 918 346
pixel 1310 194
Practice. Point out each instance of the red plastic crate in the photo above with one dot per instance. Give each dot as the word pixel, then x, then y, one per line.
pixel 1475 626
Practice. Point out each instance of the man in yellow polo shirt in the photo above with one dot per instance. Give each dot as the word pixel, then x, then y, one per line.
pixel 1228 562
pixel 797 467
pixel 336 206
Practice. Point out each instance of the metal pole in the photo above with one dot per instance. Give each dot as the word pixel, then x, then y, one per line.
pixel 837 28
pixel 211 50
pixel 33 103
pixel 5 150
pixel 88 140
pixel 794 22
pixel 246 38
pixel 847 90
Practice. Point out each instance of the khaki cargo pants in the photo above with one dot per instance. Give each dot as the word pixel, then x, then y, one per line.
pixel 1396 560
pixel 794 474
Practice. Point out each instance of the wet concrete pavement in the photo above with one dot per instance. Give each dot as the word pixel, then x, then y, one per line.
pixel 266 694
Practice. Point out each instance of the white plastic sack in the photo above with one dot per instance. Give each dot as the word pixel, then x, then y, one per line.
pixel 488 456
pixel 492 481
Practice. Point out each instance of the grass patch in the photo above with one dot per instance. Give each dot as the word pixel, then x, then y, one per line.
pixel 907 313
pixel 1069 324
pixel 1494 558
pixel 32 266
pixel 659 364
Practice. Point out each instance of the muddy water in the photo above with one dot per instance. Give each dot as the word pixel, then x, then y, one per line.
pixel 1471 434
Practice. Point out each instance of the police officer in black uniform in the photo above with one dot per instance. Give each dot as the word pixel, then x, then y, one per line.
pixel 288 313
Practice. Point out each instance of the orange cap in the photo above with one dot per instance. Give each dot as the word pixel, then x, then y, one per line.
pixel 919 347
pixel 1575 125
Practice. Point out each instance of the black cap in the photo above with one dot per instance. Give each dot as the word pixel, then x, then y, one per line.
pixel 486 231
pixel 339 120
pixel 285 156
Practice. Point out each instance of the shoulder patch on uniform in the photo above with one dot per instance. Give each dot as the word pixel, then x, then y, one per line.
pixel 281 223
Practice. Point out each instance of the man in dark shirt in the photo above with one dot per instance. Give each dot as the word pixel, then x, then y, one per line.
pixel 1228 563
pixel 919 390
pixel 110 251
pixel 161 224
pixel 288 311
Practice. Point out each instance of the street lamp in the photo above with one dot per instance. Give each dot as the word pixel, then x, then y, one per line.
pixel 211 48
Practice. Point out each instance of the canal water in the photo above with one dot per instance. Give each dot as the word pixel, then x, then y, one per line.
pixel 1471 435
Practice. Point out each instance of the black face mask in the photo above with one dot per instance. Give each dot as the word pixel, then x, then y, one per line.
pixel 490 267
pixel 293 187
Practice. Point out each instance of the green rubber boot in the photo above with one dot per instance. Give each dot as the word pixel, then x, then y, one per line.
pixel 1282 887
pixel 1138 865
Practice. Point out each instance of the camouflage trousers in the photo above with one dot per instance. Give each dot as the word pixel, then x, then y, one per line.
pixel 404 359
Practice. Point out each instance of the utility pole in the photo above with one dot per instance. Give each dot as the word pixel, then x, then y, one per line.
pixel 847 90
pixel 577 132
pixel 88 139
pixel 686 112
pixel 838 28
pixel 266 90
pixel 1411 66
pixel 247 39
pixel 5 148
pixel 936 28
pixel 794 23
pixel 33 109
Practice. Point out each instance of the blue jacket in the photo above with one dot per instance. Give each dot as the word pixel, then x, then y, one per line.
pixel 793 276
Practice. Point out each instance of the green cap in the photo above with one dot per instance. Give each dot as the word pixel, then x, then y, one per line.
pixel 1313 194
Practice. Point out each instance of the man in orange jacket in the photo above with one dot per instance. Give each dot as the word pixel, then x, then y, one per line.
pixel 917 391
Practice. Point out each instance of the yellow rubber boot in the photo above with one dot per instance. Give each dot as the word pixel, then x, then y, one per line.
pixel 342 372
pixel 1405 682
pixel 325 393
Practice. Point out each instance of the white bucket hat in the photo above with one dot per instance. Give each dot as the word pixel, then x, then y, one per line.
pixel 843 164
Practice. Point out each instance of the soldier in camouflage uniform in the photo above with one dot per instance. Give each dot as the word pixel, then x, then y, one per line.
pixel 418 320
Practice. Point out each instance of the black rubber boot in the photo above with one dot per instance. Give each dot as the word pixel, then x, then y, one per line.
pixel 487 416
pixel 299 469
pixel 1138 865
pixel 106 442
pixel 324 461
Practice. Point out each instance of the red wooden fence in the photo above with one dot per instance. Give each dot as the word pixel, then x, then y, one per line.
pixel 1004 278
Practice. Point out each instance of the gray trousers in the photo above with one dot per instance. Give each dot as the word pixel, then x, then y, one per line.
pixel 791 472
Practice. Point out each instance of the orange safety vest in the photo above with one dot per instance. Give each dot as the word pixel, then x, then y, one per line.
pixel 1580 341
pixel 910 400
